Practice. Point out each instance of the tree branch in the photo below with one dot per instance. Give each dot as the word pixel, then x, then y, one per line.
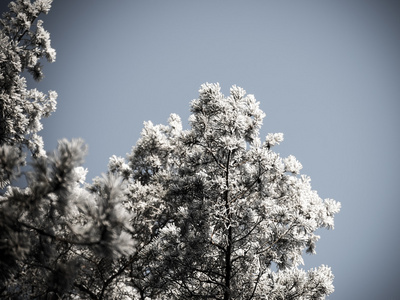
pixel 57 238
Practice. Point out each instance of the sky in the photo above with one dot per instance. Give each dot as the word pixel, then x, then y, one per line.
pixel 326 73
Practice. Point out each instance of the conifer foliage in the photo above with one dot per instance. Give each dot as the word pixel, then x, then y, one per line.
pixel 23 42
pixel 212 212
pixel 239 215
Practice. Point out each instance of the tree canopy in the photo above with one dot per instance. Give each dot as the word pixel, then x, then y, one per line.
pixel 211 212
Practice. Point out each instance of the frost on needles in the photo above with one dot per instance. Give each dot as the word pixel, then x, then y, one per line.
pixel 212 212
pixel 224 207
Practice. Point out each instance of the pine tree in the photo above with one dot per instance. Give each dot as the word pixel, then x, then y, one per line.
pixel 52 228
pixel 233 217
pixel 23 42
pixel 211 212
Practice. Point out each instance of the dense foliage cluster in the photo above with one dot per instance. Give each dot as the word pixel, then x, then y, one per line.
pixel 23 42
pixel 211 212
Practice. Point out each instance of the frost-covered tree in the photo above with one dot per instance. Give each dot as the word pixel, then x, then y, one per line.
pixel 23 42
pixel 227 217
pixel 55 227
pixel 211 212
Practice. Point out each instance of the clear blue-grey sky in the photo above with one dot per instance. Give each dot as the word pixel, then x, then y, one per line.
pixel 327 74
